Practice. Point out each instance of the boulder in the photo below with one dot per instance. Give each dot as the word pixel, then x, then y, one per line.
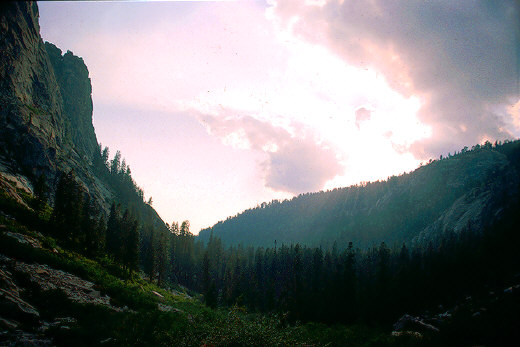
pixel 9 324
pixel 411 323
pixel 25 239
pixel 413 334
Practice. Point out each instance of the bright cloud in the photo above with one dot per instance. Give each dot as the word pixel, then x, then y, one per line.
pixel 460 58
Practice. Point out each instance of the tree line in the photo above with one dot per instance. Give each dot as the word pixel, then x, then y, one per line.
pixel 118 174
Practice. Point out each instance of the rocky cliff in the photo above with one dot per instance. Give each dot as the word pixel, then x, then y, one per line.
pixel 46 111
pixel 46 114
pixel 488 183
pixel 76 92
pixel 33 133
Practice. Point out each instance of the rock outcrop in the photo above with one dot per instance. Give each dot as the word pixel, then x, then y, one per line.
pixel 20 321
pixel 46 105
pixel 13 306
pixel 76 92
pixel 411 323
pixel 487 183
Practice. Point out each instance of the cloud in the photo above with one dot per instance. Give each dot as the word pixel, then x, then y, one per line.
pixel 514 111
pixel 460 58
pixel 297 161
pixel 301 165
pixel 362 115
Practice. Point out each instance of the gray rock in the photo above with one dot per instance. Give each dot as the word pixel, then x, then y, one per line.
pixel 444 315
pixel 410 323
pixel 76 288
pixel 413 334
pixel 11 300
pixel 25 239
pixel 24 338
pixel 9 324
pixel 159 295
pixel 481 203
pixel 46 112
pixel 164 308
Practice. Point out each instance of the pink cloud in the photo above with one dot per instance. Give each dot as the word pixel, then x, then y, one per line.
pixel 295 163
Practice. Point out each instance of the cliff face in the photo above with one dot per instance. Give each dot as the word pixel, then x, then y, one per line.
pixel 32 128
pixel 490 183
pixel 46 108
pixel 76 92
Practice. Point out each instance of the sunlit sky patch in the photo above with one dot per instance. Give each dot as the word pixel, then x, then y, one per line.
pixel 218 106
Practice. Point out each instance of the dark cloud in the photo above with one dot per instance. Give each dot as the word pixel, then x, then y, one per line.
pixel 362 115
pixel 295 163
pixel 460 57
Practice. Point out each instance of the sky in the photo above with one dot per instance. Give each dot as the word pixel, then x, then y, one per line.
pixel 219 106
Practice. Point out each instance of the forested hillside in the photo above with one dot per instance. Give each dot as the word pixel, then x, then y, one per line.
pixel 467 189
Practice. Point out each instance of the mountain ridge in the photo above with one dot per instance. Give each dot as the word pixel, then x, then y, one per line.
pixel 470 188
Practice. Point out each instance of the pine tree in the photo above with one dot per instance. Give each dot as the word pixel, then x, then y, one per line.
pixel 115 164
pixel 148 251
pixel 40 191
pixel 96 246
pixel 67 214
pixel 113 231
pixel 88 224
pixel 131 244
pixel 208 284
pixel 161 256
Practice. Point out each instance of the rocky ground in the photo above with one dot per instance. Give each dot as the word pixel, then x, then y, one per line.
pixel 484 311
pixel 29 292
pixel 20 321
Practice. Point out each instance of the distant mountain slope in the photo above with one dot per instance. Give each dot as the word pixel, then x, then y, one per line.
pixel 46 115
pixel 469 189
